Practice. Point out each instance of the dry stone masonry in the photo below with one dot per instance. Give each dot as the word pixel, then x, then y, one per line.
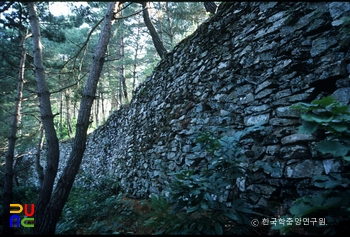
pixel 244 66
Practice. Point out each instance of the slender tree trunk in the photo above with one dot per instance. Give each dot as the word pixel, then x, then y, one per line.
pixel 61 115
pixel 121 68
pixel 97 105
pixel 75 109
pixel 16 162
pixel 135 60
pixel 46 118
pixel 170 28
pixel 134 78
pixel 102 107
pixel 137 49
pixel 160 25
pixel 158 44
pixel 39 169
pixel 65 183
pixel 8 185
pixel 114 102
pixel 15 174
pixel 68 111
pixel 120 94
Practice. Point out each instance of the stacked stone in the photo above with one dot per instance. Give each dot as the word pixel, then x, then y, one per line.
pixel 244 66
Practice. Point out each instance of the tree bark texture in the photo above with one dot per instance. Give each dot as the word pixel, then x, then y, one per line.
pixel 97 110
pixel 65 183
pixel 61 115
pixel 8 185
pixel 39 169
pixel 46 118
pixel 103 107
pixel 158 44
pixel 68 116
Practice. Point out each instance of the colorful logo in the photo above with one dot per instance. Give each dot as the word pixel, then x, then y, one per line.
pixel 15 220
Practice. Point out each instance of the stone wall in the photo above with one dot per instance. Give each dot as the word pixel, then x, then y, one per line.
pixel 244 66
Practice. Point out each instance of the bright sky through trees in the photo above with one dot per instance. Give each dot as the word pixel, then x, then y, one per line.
pixel 61 8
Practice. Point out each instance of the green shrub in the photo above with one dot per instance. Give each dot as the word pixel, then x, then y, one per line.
pixel 25 194
pixel 331 120
pixel 196 204
pixel 95 212
pixel 21 195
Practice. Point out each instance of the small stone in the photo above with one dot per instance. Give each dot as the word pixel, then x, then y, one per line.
pixel 262 86
pixel 272 149
pixel 342 95
pixel 294 138
pixel 331 166
pixel 287 112
pixel 171 155
pixel 255 120
pixel 304 169
pixel 320 45
pixel 294 152
pixel 264 93
pixel 283 121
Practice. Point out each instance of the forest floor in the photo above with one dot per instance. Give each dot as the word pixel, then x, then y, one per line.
pixel 134 223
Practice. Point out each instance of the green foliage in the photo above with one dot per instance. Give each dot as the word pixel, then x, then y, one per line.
pixel 292 17
pixel 345 27
pixel 332 206
pixel 25 194
pixel 96 212
pixel 22 195
pixel 333 180
pixel 143 92
pixel 68 52
pixel 160 219
pixel 196 203
pixel 331 117
pixel 56 35
pixel 332 202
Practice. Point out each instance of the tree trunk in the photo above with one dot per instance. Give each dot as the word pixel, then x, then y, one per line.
pixel 121 68
pixel 120 93
pixel 102 106
pixel 152 30
pixel 134 77
pixel 97 110
pixel 61 115
pixel 68 111
pixel 137 49
pixel 75 109
pixel 170 28
pixel 160 25
pixel 8 185
pixel 53 211
pixel 114 102
pixel 46 118
pixel 39 169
